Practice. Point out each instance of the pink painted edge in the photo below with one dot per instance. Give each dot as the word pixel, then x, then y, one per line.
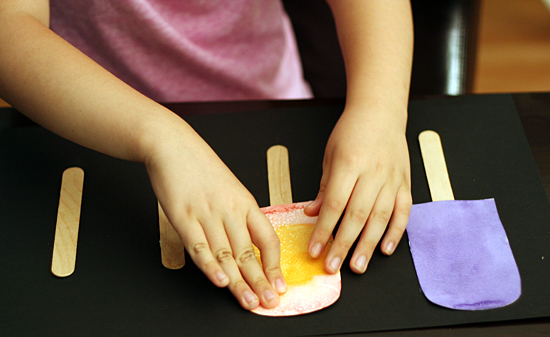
pixel 285 207
pixel 326 291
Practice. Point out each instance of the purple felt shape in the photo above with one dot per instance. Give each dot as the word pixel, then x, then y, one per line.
pixel 462 256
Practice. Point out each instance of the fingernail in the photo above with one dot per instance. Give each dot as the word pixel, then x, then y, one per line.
pixel 221 276
pixel 335 264
pixel 361 263
pixel 280 285
pixel 269 295
pixel 316 250
pixel 249 297
pixel 390 247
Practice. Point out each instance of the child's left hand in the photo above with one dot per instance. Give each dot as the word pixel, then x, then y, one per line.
pixel 366 173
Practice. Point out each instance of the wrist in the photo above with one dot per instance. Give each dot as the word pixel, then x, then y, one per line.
pixel 378 114
pixel 156 131
pixel 164 135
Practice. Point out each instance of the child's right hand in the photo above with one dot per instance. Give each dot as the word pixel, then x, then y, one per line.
pixel 216 218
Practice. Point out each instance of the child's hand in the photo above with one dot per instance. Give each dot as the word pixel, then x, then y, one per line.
pixel 366 172
pixel 217 219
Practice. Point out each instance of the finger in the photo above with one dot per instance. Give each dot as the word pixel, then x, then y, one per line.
pixel 313 208
pixel 374 229
pixel 224 256
pixel 339 188
pixel 249 266
pixel 356 215
pixel 399 220
pixel 199 250
pixel 264 237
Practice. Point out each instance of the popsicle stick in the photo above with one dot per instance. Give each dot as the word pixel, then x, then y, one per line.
pixel 68 221
pixel 435 166
pixel 278 174
pixel 172 250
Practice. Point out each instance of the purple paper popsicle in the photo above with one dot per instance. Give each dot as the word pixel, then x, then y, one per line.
pixel 460 250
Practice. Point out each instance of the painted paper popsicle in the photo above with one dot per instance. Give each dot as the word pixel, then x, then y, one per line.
pixel 309 287
pixel 460 250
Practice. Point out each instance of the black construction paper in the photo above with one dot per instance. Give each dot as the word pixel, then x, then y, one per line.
pixel 119 287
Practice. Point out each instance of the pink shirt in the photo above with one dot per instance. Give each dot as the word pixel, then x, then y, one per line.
pixel 188 50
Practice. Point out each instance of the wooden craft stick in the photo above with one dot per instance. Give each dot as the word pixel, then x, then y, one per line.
pixel 435 166
pixel 172 250
pixel 278 172
pixel 68 221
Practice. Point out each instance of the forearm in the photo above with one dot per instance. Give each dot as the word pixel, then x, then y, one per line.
pixel 60 88
pixel 376 39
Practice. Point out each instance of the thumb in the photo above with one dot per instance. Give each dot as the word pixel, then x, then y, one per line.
pixel 314 207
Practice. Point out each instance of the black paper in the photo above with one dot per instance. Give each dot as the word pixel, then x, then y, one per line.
pixel 120 288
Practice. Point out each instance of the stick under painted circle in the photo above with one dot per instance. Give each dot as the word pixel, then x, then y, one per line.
pixel 323 289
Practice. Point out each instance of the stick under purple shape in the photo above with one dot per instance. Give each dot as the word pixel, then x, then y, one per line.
pixel 462 256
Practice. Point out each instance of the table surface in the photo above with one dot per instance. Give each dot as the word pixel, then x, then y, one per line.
pixel 534 112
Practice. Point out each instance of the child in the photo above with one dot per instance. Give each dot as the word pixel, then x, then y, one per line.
pixel 99 90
